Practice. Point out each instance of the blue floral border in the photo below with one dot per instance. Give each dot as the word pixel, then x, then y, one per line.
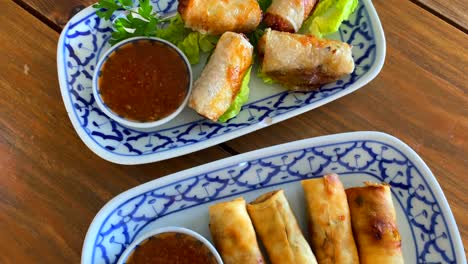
pixel 430 233
pixel 121 141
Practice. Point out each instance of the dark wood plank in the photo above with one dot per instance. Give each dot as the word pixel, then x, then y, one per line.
pixel 55 13
pixel 453 11
pixel 58 12
pixel 52 185
pixel 50 192
pixel 420 97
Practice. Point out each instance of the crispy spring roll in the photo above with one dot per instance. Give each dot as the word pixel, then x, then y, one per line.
pixel 330 230
pixel 222 76
pixel 216 17
pixel 277 228
pixel 303 62
pixel 288 15
pixel 233 233
pixel 374 224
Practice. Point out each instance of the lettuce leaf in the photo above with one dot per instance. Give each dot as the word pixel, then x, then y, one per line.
pixel 207 42
pixel 265 78
pixel 255 36
pixel 147 23
pixel 190 42
pixel 328 16
pixel 190 47
pixel 241 98
pixel 264 4
pixel 174 31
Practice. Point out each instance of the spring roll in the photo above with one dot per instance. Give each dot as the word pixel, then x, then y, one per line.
pixel 233 233
pixel 330 230
pixel 222 76
pixel 288 15
pixel 277 228
pixel 374 224
pixel 216 17
pixel 303 62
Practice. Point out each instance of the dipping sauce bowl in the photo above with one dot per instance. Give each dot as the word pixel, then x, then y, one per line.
pixel 142 82
pixel 171 245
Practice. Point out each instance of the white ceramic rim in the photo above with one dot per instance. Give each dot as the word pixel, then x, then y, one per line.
pixel 282 148
pixel 169 229
pixel 127 122
pixel 132 160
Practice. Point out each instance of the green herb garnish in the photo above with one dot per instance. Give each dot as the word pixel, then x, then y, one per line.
pixel 143 21
pixel 264 4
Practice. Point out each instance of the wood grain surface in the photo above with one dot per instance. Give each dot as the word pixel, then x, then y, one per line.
pixel 420 97
pixel 52 185
pixel 55 13
pixel 454 11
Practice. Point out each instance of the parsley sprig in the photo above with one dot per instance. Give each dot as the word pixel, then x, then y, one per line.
pixel 140 20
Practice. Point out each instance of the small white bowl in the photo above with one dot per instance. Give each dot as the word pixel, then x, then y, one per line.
pixel 132 123
pixel 169 229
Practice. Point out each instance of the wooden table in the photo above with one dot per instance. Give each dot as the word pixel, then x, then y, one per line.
pixel 51 192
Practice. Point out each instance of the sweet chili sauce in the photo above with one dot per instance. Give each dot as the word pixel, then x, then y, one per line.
pixel 144 80
pixel 171 248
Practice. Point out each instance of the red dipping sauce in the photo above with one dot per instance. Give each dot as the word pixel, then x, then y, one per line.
pixel 144 80
pixel 171 248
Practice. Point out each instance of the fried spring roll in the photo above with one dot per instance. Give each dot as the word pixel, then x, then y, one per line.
pixel 222 76
pixel 303 62
pixel 277 228
pixel 374 224
pixel 330 230
pixel 288 15
pixel 233 233
pixel 216 17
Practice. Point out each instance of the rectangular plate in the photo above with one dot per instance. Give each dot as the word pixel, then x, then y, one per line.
pixel 427 227
pixel 84 40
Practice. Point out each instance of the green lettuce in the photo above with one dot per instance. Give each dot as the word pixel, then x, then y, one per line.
pixel 190 47
pixel 174 30
pixel 265 78
pixel 241 98
pixel 255 36
pixel 264 4
pixel 145 22
pixel 207 42
pixel 190 42
pixel 328 16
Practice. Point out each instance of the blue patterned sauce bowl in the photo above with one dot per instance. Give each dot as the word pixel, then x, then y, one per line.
pixel 130 250
pixel 104 107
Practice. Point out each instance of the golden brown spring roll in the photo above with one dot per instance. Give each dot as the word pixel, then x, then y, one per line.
pixel 222 76
pixel 374 224
pixel 233 233
pixel 288 15
pixel 330 230
pixel 277 228
pixel 303 62
pixel 216 17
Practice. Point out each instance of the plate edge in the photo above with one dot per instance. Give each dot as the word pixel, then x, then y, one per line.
pixel 64 88
pixel 280 148
pixel 134 160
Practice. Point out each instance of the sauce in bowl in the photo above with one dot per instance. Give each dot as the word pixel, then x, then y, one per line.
pixel 171 248
pixel 144 80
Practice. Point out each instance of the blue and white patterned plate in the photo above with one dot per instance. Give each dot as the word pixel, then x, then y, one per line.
pixel 84 40
pixel 428 229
